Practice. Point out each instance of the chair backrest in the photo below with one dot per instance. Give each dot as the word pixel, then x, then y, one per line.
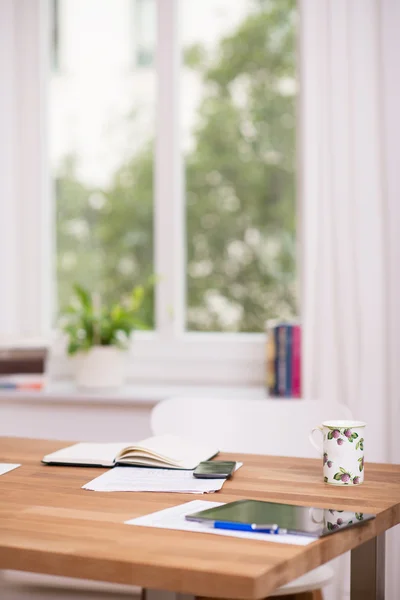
pixel 276 427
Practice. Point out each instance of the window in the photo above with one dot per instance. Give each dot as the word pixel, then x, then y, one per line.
pixel 183 169
pixel 238 122
pixel 144 32
pixel 101 133
pixel 55 34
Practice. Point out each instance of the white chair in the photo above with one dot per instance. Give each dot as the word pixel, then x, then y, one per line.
pixel 18 585
pixel 274 427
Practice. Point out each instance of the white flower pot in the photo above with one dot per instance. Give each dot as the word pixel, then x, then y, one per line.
pixel 100 367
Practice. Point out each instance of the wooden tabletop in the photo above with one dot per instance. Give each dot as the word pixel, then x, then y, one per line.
pixel 48 524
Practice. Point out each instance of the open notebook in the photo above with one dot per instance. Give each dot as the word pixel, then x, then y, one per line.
pixel 166 451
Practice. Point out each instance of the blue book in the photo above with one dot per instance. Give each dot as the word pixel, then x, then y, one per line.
pixel 289 360
pixel 275 391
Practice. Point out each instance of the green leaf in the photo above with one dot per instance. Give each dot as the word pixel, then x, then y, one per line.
pixel 73 348
pixel 70 310
pixel 354 436
pixel 360 516
pixel 337 476
pixel 350 439
pixel 358 445
pixel 116 312
pixel 329 526
pixel 83 296
pixel 329 435
pixel 137 297
pixel 325 479
pixel 342 470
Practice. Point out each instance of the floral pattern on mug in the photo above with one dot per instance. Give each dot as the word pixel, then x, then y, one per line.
pixel 336 433
pixel 342 475
pixel 342 451
pixel 336 521
pixel 346 477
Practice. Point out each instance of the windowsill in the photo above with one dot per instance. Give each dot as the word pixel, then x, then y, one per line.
pixel 65 392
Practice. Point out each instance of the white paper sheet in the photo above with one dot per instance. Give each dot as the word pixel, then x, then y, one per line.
pixel 6 467
pixel 174 518
pixel 141 479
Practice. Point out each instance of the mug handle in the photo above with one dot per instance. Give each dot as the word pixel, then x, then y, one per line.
pixel 313 442
pixel 313 516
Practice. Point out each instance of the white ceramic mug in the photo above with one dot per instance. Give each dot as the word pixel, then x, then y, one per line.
pixel 342 451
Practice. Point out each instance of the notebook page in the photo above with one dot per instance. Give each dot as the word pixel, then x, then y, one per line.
pixel 174 450
pixel 145 461
pixel 87 453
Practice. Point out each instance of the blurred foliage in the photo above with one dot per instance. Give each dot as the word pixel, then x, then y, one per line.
pixel 87 322
pixel 240 190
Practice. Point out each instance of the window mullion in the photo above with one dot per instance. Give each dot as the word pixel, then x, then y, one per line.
pixel 168 202
pixel 24 217
pixel 34 251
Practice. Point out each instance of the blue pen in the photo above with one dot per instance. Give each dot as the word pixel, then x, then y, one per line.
pixel 252 527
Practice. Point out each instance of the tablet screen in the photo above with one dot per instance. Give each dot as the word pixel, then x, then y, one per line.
pixel 296 519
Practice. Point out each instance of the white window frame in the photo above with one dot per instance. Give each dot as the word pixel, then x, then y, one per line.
pixel 27 248
pixel 25 207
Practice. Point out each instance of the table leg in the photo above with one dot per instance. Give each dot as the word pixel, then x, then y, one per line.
pixel 368 570
pixel 163 595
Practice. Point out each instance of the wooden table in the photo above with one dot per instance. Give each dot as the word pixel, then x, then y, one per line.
pixel 48 524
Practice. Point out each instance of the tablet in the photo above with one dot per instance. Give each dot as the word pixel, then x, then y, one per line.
pixel 300 520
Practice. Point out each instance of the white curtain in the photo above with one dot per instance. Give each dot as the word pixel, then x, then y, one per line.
pixel 350 213
pixel 25 208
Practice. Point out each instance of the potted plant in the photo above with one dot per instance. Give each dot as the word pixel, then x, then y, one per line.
pixel 99 336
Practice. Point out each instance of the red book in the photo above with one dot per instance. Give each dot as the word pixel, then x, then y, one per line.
pixel 296 364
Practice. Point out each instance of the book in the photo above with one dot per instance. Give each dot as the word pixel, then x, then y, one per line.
pixel 22 382
pixel 275 391
pixel 283 347
pixel 296 361
pixel 271 355
pixel 168 451
pixel 30 359
pixel 288 357
pixel 282 360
